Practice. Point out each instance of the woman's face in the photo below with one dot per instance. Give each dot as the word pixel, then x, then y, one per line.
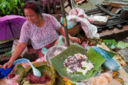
pixel 31 16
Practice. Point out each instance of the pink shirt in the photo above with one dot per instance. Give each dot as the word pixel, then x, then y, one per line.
pixel 40 36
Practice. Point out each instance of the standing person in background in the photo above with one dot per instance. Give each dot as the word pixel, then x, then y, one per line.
pixel 41 29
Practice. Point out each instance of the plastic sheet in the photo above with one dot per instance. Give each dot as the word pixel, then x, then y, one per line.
pixel 110 63
pixel 5 72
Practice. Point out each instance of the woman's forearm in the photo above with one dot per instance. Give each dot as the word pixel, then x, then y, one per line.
pixel 19 49
pixel 62 32
pixel 73 39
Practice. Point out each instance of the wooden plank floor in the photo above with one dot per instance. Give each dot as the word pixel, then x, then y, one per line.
pixel 115 33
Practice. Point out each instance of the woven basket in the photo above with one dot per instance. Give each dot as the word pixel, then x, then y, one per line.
pixel 75 30
pixel 49 69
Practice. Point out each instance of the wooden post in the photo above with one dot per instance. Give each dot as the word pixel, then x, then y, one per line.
pixel 48 5
pixel 54 6
pixel 64 21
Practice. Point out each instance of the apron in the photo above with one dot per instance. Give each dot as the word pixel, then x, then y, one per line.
pixel 47 46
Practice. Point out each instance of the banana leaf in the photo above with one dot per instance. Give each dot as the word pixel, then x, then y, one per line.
pixel 94 57
pixel 110 43
pixel 122 44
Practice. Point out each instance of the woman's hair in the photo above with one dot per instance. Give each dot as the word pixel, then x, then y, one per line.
pixel 35 6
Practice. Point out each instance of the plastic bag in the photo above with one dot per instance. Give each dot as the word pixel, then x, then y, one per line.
pixel 110 63
pixel 15 42
pixel 78 15
pixel 103 79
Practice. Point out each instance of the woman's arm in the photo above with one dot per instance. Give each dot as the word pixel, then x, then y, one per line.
pixel 73 39
pixel 19 49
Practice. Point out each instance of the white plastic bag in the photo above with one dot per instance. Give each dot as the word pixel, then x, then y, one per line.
pixel 15 42
pixel 78 15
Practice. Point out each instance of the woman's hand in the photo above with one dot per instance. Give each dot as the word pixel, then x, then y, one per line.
pixel 7 65
pixel 75 39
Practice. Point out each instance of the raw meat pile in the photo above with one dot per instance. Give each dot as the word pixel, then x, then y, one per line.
pixel 78 63
pixel 37 80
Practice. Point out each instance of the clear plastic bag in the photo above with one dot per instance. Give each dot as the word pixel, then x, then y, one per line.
pixel 103 79
pixel 53 51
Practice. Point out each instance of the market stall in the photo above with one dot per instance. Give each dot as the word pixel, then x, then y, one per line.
pixel 94 61
pixel 76 65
